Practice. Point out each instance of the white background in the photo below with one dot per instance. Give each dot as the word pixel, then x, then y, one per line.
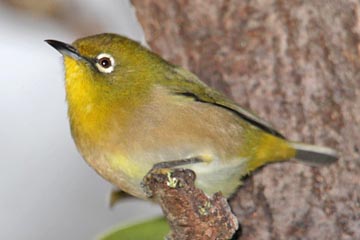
pixel 46 190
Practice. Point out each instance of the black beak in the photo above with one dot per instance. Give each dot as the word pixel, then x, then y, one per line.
pixel 64 48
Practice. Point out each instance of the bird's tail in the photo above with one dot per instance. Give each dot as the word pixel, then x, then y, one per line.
pixel 314 155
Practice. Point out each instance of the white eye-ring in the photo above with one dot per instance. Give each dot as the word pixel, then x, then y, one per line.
pixel 105 63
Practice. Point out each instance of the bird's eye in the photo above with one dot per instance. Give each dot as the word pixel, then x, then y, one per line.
pixel 105 63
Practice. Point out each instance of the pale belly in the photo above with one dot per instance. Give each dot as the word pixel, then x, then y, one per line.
pixel 212 176
pixel 176 134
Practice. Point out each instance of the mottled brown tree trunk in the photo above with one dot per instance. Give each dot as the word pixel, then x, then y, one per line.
pixel 295 63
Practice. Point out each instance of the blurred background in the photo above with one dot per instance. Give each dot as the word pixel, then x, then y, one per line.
pixel 47 190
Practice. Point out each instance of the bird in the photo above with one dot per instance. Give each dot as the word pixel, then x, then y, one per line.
pixel 131 111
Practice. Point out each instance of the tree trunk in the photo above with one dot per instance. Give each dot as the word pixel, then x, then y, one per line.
pixel 295 63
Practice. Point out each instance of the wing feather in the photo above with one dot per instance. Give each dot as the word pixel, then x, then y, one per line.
pixel 192 87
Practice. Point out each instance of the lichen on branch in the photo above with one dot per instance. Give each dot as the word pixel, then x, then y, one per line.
pixel 190 213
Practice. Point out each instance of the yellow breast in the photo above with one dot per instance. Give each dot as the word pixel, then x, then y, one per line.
pixel 84 114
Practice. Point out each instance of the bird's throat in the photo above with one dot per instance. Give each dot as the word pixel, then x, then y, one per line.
pixel 89 116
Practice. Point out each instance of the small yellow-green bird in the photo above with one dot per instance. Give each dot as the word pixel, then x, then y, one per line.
pixel 131 110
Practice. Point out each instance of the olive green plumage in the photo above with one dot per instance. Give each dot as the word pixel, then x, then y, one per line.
pixel 129 109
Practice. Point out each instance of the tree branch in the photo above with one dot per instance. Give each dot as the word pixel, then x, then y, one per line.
pixel 189 211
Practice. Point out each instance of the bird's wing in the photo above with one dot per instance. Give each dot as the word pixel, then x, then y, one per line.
pixel 192 87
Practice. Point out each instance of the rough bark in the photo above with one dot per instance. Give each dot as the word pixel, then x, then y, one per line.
pixel 190 213
pixel 295 63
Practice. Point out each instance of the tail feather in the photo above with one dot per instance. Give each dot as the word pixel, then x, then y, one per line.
pixel 314 155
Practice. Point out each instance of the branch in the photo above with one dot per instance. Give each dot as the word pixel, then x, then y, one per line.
pixel 190 213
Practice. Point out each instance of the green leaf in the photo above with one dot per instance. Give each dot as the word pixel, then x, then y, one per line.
pixel 153 229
